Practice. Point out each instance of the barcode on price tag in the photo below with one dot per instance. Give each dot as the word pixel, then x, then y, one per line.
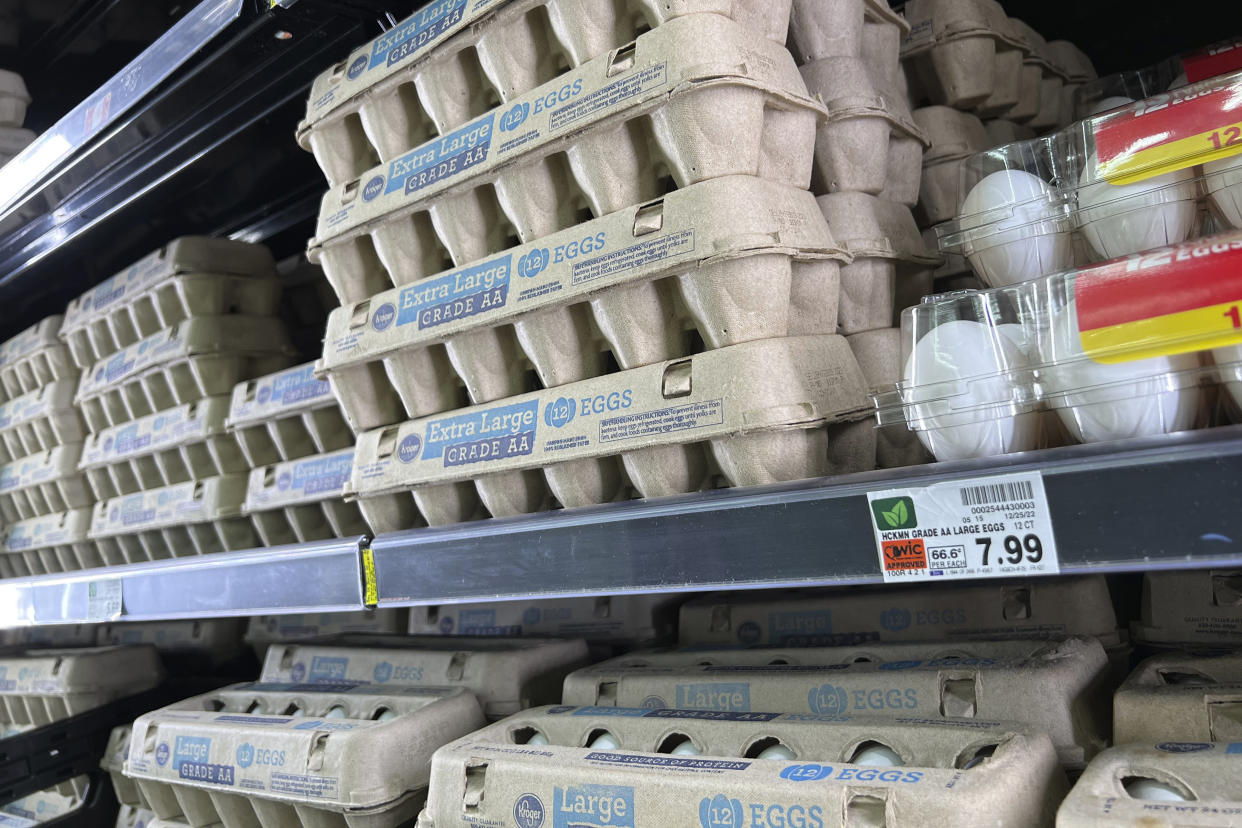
pixel 988 527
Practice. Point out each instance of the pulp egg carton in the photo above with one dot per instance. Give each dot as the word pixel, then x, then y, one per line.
pixel 605 619
pixel 13 99
pixel 199 357
pixel 1037 608
pixel 846 28
pixel 45 806
pixel 986 370
pixel 1042 69
pixel 1003 131
pixel 12 141
pixel 634 281
pixel 198 517
pixel 879 357
pixel 505 674
pixel 1183 697
pixel 56 636
pixel 698 98
pixel 296 754
pixel 594 766
pixel 302 500
pixel 450 62
pixel 52 543
pixel 1078 71
pixel 113 763
pixel 42 484
pixel 758 410
pixel 1058 689
pixel 34 358
pixel 263 630
pixel 1183 783
pixel 1023 204
pixel 286 415
pixel 40 419
pixel 187 442
pixel 954 136
pixel 190 276
pixel 207 641
pixel 43 686
pixel 1197 609
pixel 130 817
pixel 889 263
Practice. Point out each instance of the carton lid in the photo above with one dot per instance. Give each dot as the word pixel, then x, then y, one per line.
pixel 171 428
pixel 195 501
pixel 61 529
pixel 293 482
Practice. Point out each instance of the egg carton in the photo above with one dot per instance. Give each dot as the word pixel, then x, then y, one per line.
pixel 1192 784
pixel 879 357
pixel 198 517
pixel 43 484
pixel 301 500
pixel 1002 131
pixel 188 442
pixel 39 687
pixel 1041 68
pixel 1078 71
pixel 1181 696
pixel 448 63
pixel 45 806
pixel 55 636
pixel 130 817
pixel 40 420
pixel 505 674
pixel 13 99
pixel 1196 609
pixel 954 136
pixel 287 415
pixel 296 754
pixel 113 763
pixel 690 260
pixel 263 630
pixel 200 357
pixel 760 409
pixel 845 28
pixel 13 141
pixel 1036 608
pixel 34 358
pixel 610 619
pixel 647 768
pixel 190 276
pixel 697 98
pixel 51 543
pixel 207 641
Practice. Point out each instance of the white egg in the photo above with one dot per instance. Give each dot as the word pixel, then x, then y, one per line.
pixel 605 741
pixel 877 754
pixel 336 712
pixel 537 738
pixel 965 360
pixel 1224 186
pixel 1229 370
pixel 1119 220
pixel 686 748
pixel 777 751
pixel 1033 240
pixel 1107 104
pixel 1099 402
pixel 387 716
pixel 1152 789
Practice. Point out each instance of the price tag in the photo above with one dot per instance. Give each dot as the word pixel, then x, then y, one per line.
pixel 1176 300
pixel 103 600
pixel 985 527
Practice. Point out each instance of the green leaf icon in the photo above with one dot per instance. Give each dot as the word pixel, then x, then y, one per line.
pixel 899 512
pixel 891 518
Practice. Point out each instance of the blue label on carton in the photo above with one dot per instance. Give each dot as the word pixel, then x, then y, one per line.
pixel 593 806
pixel 416 32
pixel 456 295
pixel 441 158
pixel 482 436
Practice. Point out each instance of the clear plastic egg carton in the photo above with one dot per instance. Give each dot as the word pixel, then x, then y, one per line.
pixel 40 419
pixel 1023 204
pixel 188 442
pixel 199 357
pixel 954 136
pixel 505 674
pixel 302 500
pixel 1183 783
pixel 1196 609
pixel 51 543
pixel 208 641
pixel 1059 689
pixel 655 768
pixel 43 484
pixel 13 99
pixel 1181 696
pixel 190 276
pixel 44 806
pixel 879 357
pixel 38 687
pixel 1037 608
pixel 263 630
pixel 34 358
pixel 1060 360
pixel 697 98
pixel 287 415
pixel 448 63
pixel 296 754
pixel 745 414
pixel 637 282
pixel 198 517
pixel 611 619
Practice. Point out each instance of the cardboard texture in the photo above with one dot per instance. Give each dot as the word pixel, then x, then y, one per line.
pixel 821 29
pixel 301 500
pixel 129 817
pixel 263 630
pixel 452 61
pixel 879 357
pixel 39 420
pixel 506 674
pixel 43 484
pixel 44 686
pixel 208 641
pixel 113 763
pixel 287 415
pixel 13 99
pixel 1181 697
pixel 1202 774
pixel 34 358
pixel 760 407
pixel 294 754
pixel 533 766
pixel 1198 608
pixel 954 136
pixel 45 806
pixel 634 282
pixel 51 543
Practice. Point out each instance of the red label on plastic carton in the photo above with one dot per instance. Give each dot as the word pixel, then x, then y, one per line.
pixel 1175 300
pixel 1212 61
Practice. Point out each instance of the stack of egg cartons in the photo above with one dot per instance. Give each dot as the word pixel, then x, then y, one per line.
pixel 44 499
pixel 265 630
pixel 13 102
pixel 161 345
pixel 640 293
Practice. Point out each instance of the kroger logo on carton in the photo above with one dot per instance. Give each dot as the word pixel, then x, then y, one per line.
pixel 593 806
pixel 408 448
pixel 373 188
pixel 528 811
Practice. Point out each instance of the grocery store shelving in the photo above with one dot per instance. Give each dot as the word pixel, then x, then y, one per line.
pixel 1168 502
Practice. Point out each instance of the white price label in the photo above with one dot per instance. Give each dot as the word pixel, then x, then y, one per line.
pixel 985 527
pixel 103 600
